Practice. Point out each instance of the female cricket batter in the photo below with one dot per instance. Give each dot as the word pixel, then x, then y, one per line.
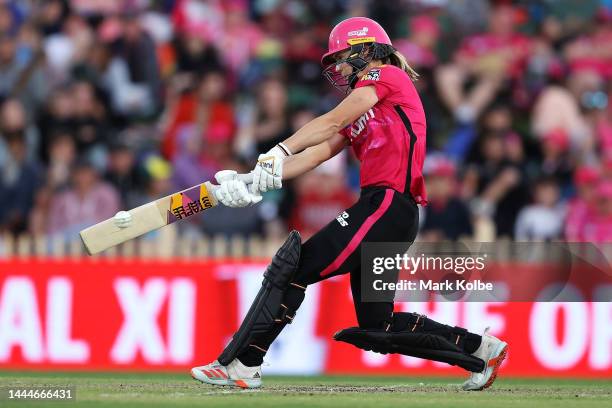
pixel 383 119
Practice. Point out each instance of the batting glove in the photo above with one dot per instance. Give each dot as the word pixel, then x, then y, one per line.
pixel 268 173
pixel 233 192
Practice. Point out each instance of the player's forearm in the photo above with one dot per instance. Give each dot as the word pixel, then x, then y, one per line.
pixel 313 133
pixel 311 157
pixel 300 163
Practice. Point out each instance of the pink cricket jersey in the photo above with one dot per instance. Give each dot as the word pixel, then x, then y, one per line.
pixel 389 139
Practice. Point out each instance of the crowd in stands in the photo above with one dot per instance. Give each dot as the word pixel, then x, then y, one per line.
pixel 109 104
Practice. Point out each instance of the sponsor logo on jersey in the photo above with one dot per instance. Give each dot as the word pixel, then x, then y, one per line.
pixel 373 75
pixel 341 218
pixel 360 123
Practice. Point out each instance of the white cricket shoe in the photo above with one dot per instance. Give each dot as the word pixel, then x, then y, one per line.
pixel 493 352
pixel 234 374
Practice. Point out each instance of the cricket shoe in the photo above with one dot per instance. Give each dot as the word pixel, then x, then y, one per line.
pixel 235 374
pixel 493 352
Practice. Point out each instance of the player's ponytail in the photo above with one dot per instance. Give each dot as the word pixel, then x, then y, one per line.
pixel 389 55
pixel 397 59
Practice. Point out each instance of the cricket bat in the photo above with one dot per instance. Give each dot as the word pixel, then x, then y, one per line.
pixel 151 216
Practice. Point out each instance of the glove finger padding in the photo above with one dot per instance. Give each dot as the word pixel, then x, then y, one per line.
pixel 270 182
pixel 239 193
pixel 225 175
pixel 222 195
pixel 256 177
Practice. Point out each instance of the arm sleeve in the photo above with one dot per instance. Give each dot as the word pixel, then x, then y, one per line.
pixel 346 133
pixel 382 78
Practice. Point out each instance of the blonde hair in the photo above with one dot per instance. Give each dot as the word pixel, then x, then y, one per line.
pixel 399 61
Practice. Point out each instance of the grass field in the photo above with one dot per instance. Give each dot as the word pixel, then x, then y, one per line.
pixel 173 390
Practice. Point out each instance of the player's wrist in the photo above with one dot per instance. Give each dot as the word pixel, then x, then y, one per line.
pixel 284 149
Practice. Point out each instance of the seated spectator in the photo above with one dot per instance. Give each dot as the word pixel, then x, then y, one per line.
pixel 123 173
pixel 19 179
pixel 556 161
pixel 136 47
pixel 14 125
pixel 488 59
pixel 90 122
pixel 542 220
pixel 204 110
pixel 271 123
pixel 87 201
pixel 496 187
pixel 446 217
pixel 189 164
pixel 321 195
pixel 570 109
pixel 420 47
pixel 195 52
pixel 61 157
pixel 583 204
pixel 598 225
pixel 23 79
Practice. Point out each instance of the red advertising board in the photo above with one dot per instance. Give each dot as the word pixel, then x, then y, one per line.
pixel 95 314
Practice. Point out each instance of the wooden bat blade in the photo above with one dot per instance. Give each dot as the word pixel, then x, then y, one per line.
pixel 149 217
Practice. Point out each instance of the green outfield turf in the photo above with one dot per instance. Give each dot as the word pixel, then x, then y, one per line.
pixel 159 390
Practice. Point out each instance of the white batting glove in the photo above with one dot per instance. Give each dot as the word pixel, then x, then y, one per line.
pixel 233 192
pixel 268 173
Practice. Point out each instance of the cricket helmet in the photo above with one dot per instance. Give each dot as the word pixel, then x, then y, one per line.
pixel 354 34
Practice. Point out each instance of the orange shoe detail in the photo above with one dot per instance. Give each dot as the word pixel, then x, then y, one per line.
pixel 496 363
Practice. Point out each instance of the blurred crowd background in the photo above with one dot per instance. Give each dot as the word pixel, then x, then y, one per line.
pixel 108 104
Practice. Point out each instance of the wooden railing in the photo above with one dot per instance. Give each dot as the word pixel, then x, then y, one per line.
pixel 167 243
pixel 161 246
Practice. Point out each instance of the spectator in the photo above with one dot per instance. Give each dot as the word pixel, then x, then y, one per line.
pixel 556 161
pixel 579 208
pixel 489 59
pixel 67 47
pixel 19 179
pixel 14 124
pixel 321 195
pixel 190 167
pixel 446 217
pixel 205 111
pixel 81 80
pixel 90 122
pixel 271 118
pixel 419 47
pixel 133 74
pixel 123 173
pixel 21 79
pixel 195 52
pixel 61 158
pixel 87 201
pixel 598 224
pixel 542 220
pixel 495 186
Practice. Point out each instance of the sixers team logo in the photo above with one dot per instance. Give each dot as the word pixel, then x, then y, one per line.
pixel 372 75
pixel 358 33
